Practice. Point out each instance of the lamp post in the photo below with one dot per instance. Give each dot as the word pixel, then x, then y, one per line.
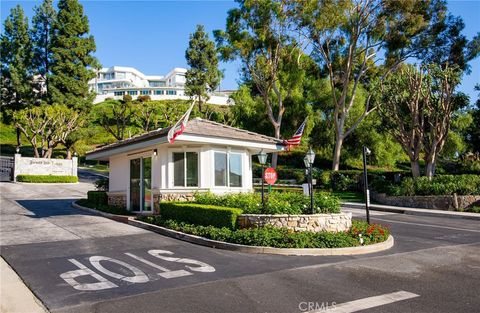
pixel 308 160
pixel 366 152
pixel 262 158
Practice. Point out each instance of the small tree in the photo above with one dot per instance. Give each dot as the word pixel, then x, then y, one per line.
pixel 203 76
pixel 115 116
pixel 32 123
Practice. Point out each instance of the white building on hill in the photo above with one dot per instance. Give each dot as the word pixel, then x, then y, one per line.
pixel 116 81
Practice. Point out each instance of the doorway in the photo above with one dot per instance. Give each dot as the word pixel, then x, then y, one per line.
pixel 141 185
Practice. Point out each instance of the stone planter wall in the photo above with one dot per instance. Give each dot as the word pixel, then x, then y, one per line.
pixel 428 202
pixel 334 222
pixel 117 199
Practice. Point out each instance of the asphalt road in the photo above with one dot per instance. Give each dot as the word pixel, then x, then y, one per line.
pixel 79 262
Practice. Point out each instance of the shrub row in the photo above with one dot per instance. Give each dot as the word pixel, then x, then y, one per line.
pixel 275 202
pixel 200 214
pixel 439 185
pixel 103 207
pixel 280 237
pixel 97 197
pixel 47 179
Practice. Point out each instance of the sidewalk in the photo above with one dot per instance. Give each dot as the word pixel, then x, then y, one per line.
pixel 414 211
pixel 15 297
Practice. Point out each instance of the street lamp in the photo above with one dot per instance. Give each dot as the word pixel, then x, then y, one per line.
pixel 17 149
pixel 366 152
pixel 262 158
pixel 308 160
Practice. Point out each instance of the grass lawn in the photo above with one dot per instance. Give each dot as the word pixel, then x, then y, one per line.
pixel 350 196
pixel 101 168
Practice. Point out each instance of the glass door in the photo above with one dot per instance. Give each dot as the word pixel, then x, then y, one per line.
pixel 147 184
pixel 140 184
pixel 135 190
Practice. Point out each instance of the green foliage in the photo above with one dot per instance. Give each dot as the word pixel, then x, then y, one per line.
pixel 103 207
pixel 280 237
pixel 47 179
pixel 72 54
pixel 200 214
pixel 438 185
pixel 345 180
pixel 102 184
pixel 275 202
pixel 16 58
pixel 97 198
pixel 203 76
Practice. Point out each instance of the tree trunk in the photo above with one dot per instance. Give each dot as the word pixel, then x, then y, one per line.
pixel 69 154
pixel 415 168
pixel 275 154
pixel 430 166
pixel 200 104
pixel 336 153
pixel 18 137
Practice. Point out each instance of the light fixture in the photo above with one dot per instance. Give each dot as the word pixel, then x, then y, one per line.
pixel 75 153
pixel 262 157
pixel 17 149
pixel 367 151
pixel 310 156
pixel 155 152
pixel 306 162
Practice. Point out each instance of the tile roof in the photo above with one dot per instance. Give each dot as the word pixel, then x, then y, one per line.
pixel 196 126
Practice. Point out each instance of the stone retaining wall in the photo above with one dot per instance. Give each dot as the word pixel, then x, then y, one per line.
pixel 428 202
pixel 117 199
pixel 334 222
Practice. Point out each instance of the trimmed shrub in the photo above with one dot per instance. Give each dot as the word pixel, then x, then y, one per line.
pixel 104 207
pixel 200 214
pixel 275 202
pixel 102 184
pixel 97 198
pixel 47 179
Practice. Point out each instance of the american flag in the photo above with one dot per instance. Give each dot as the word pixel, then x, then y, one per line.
pixel 179 126
pixel 297 137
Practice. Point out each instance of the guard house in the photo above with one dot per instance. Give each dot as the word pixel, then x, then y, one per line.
pixel 207 156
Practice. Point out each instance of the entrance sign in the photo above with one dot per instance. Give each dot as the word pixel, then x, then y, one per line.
pixel 270 176
pixel 137 275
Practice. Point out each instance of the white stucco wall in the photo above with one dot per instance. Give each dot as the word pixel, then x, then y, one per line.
pixel 119 173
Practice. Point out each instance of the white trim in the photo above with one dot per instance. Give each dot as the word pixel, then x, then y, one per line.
pixel 231 142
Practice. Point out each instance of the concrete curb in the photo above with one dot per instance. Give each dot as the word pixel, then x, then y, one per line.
pixel 15 296
pixel 414 211
pixel 130 220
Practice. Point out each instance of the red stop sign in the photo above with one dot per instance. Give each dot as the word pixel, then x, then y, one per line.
pixel 270 176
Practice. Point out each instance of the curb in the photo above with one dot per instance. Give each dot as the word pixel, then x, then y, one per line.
pixel 130 220
pixel 414 211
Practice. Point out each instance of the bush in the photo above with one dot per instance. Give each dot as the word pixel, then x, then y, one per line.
pixel 103 207
pixel 200 214
pixel 97 198
pixel 348 180
pixel 280 237
pixel 438 185
pixel 47 179
pixel 102 184
pixel 275 202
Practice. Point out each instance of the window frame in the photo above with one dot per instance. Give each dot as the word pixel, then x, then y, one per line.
pixel 171 180
pixel 228 153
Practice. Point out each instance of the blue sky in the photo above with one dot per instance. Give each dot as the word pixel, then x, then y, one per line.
pixel 152 36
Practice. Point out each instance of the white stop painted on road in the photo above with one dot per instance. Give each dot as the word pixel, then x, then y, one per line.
pixel 139 276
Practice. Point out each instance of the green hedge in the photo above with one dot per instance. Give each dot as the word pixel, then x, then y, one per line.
pixel 104 207
pixel 97 197
pixel 439 185
pixel 46 179
pixel 275 202
pixel 200 214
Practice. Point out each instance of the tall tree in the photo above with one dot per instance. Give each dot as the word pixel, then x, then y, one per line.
pixel 346 36
pixel 203 76
pixel 258 34
pixel 16 56
pixel 473 137
pixel 418 106
pixel 73 63
pixel 41 34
